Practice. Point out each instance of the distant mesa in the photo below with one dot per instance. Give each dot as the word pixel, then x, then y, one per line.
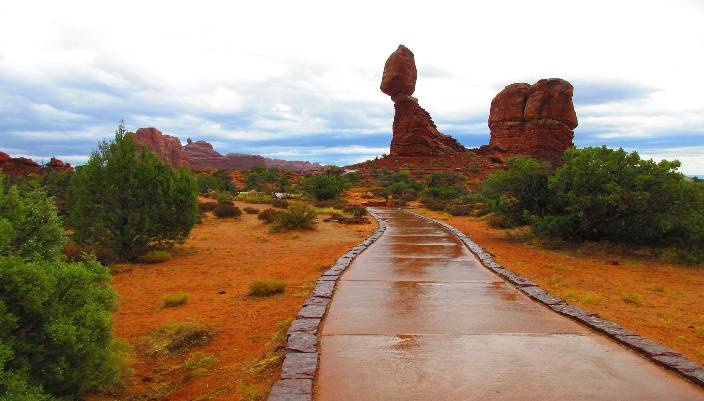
pixel 201 156
pixel 414 132
pixel 20 166
pixel 536 120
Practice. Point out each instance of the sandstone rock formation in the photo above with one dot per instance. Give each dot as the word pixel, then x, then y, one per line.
pixel 200 155
pixel 166 147
pixel 536 120
pixel 414 132
pixel 24 166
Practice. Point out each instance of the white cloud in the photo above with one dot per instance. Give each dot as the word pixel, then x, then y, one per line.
pixel 248 72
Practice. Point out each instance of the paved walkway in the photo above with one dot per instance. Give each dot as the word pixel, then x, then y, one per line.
pixel 417 317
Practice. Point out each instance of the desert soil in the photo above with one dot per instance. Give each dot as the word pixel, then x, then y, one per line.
pixel 662 301
pixel 215 267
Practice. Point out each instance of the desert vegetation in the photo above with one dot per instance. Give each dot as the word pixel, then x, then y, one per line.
pixel 126 200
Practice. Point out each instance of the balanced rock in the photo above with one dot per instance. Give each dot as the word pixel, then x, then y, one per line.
pixel 166 147
pixel 536 120
pixel 414 132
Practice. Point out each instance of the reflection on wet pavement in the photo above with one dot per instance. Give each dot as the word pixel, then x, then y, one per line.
pixel 417 317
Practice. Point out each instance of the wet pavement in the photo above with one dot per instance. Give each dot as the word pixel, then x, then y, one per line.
pixel 417 317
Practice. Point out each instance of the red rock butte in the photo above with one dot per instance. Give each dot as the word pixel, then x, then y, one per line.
pixel 536 120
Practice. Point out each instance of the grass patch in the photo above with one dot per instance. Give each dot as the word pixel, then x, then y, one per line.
pixel 253 197
pixel 251 210
pixel 329 210
pixel 265 288
pixel 177 337
pixel 584 297
pixel 198 364
pixel 658 288
pixel 556 281
pixel 155 257
pixel 632 298
pixel 174 300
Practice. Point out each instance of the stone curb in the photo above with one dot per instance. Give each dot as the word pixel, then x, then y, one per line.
pixel 301 354
pixel 656 352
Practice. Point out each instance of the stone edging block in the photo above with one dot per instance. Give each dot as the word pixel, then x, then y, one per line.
pixel 301 353
pixel 658 353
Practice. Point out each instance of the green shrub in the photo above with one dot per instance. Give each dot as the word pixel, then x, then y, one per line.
pixel 55 316
pixel 356 211
pixel 461 210
pixel 440 180
pixel 174 300
pixel 296 217
pixel 219 181
pixel 224 198
pixel 177 338
pixel 251 210
pixel 265 288
pixel 253 197
pixel 157 256
pixel 280 203
pixel 333 203
pixel 268 180
pixel 323 187
pixel 126 199
pixel 268 215
pixel 207 206
pixel 602 193
pixel 227 210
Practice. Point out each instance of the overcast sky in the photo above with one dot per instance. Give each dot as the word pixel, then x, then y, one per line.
pixel 300 79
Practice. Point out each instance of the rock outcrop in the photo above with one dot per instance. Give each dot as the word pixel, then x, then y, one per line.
pixel 166 147
pixel 536 120
pixel 414 132
pixel 201 156
pixel 24 166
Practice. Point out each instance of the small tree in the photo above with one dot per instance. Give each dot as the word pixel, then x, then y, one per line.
pixel 126 199
pixel 55 324
pixel 323 187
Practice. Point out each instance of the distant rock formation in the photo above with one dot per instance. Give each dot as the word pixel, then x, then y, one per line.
pixel 200 155
pixel 536 120
pixel 414 132
pixel 24 166
pixel 166 147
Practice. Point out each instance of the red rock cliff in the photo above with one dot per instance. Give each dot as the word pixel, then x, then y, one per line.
pixel 536 120
pixel 24 166
pixel 166 147
pixel 414 132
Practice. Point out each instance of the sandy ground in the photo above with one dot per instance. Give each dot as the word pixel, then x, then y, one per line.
pixel 215 267
pixel 662 301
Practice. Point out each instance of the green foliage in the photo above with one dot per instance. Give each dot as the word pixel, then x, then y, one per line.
pixel 207 206
pixel 219 181
pixel 519 191
pixel 323 187
pixel 605 193
pixel 125 199
pixel 267 180
pixel 30 227
pixel 268 215
pixel 155 256
pixel 296 217
pixel 174 300
pixel 227 209
pixel 280 203
pixel 399 185
pixel 265 288
pixel 441 179
pixel 56 184
pixel 55 326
